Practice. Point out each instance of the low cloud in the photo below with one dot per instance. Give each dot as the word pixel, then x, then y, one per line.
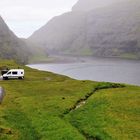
pixel 26 16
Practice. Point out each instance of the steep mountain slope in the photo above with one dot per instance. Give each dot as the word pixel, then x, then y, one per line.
pixel 92 28
pixel 12 47
pixel 60 31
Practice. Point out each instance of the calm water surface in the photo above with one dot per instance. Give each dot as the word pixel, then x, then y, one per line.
pixel 123 71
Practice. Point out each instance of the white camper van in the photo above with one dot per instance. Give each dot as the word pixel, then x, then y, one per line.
pixel 14 73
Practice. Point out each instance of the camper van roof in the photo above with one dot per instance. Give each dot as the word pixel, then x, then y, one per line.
pixel 17 69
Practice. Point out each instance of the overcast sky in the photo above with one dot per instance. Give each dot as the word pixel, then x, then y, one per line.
pixel 25 16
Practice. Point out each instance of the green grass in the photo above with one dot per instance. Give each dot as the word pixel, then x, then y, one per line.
pixel 130 56
pixel 35 108
pixel 110 114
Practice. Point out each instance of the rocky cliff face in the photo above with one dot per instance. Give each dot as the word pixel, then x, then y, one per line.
pixel 11 47
pixel 110 29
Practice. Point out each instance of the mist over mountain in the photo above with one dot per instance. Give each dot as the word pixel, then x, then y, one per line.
pixel 88 5
pixel 107 29
pixel 12 47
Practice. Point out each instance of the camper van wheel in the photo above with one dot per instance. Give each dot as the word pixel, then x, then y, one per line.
pixel 19 77
pixel 5 78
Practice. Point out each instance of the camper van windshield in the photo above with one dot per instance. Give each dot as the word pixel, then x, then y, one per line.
pixel 9 73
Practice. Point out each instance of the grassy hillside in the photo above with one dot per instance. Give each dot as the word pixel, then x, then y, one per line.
pixel 46 106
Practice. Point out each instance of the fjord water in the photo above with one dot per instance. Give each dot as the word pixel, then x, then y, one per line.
pixel 109 70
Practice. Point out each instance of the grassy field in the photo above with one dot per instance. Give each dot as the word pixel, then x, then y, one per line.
pixel 43 106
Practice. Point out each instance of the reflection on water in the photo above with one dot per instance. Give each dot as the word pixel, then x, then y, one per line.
pixel 123 71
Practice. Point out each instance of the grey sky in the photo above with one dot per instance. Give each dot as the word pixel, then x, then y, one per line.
pixel 25 16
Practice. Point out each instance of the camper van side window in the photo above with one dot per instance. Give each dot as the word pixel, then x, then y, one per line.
pixel 14 72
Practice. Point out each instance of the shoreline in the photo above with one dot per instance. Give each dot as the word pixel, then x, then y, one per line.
pixel 116 71
pixel 64 59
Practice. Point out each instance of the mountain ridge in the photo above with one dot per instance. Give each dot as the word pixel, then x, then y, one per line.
pixel 111 31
